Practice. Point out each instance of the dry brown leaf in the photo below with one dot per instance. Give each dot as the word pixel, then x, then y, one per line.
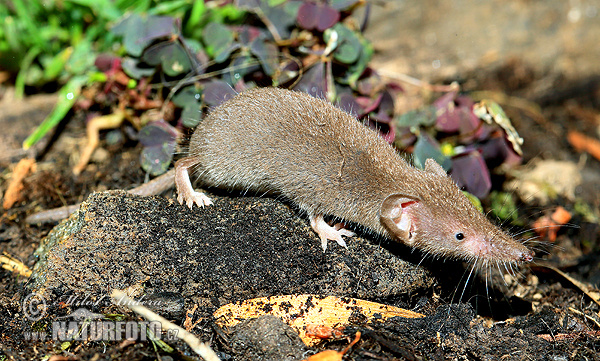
pixel 15 187
pixel 583 143
pixel 303 310
pixel 593 294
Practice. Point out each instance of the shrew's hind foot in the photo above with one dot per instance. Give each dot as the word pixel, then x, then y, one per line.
pixel 327 232
pixel 185 192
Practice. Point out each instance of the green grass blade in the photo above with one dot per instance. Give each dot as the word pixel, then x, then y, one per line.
pixel 67 96
pixel 25 65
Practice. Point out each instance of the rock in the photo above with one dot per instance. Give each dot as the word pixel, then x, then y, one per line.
pixel 266 338
pixel 239 248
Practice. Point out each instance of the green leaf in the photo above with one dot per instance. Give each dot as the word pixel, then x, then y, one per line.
pixel 424 117
pixel 426 148
pixel 175 60
pixel 349 49
pixel 218 40
pixel 189 99
pixel 189 95
pixel 267 53
pixel 57 64
pixel 104 9
pixel 198 11
pixel 504 207
pixel 25 19
pixel 474 201
pixel 67 96
pixel 190 116
pixel 356 70
pixel 276 2
pixel 228 12
pixel 82 59
pixel 170 8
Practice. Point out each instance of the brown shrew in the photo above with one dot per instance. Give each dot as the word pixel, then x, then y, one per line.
pixel 327 163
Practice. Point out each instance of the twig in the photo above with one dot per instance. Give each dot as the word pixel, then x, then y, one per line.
pixel 15 186
pixel 419 83
pixel 204 351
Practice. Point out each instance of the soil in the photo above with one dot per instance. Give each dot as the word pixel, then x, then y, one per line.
pixel 194 262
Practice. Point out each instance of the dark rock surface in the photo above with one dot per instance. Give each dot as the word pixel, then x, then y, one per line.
pixel 239 248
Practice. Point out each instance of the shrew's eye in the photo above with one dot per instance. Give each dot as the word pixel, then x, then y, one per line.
pixel 459 236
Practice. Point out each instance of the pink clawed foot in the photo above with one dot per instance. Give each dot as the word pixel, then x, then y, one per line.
pixel 199 198
pixel 185 191
pixel 327 232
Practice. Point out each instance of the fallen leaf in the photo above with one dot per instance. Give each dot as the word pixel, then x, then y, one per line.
pixel 549 225
pixel 491 112
pixel 303 310
pixel 593 294
pixel 583 143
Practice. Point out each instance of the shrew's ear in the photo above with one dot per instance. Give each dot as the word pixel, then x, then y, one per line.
pixel 393 204
pixel 394 216
pixel 433 167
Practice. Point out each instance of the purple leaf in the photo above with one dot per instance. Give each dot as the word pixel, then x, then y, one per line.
pixel 347 103
pixel 289 70
pixel 470 172
pixel 404 138
pixel 313 81
pixel 367 105
pixel 317 16
pixel 307 15
pixel 247 33
pixel 156 159
pixel 497 151
pixel 470 124
pixel 216 92
pixel 386 131
pixel 267 54
pixel 443 101
pixel 385 111
pixel 105 62
pixel 328 17
pixel 157 133
pixel 369 84
pixel 138 32
pixel 456 115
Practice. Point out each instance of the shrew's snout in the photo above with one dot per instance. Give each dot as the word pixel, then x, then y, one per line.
pixel 526 256
pixel 517 252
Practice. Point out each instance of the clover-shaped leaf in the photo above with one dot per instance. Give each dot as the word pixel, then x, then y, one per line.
pixel 427 147
pixel 138 32
pixel 218 40
pixel 158 139
pixel 319 16
pixel 216 92
pixel 470 172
